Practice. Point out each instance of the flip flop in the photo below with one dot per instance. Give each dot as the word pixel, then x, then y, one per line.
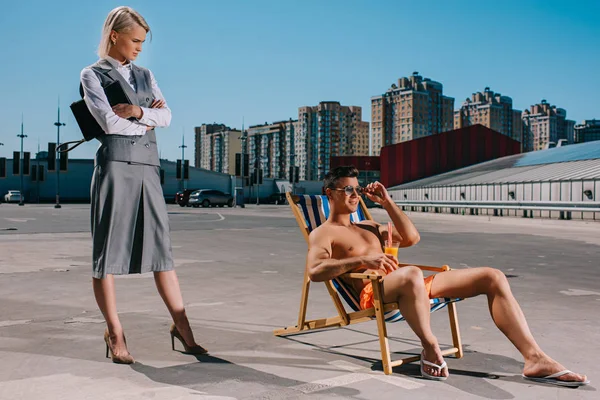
pixel 552 379
pixel 433 365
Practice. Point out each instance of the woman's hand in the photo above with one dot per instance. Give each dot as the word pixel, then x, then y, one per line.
pixel 158 104
pixel 128 111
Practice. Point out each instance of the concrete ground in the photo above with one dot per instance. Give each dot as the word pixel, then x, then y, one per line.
pixel 240 272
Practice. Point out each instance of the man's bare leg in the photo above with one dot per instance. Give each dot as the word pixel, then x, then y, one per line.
pixel 406 286
pixel 505 311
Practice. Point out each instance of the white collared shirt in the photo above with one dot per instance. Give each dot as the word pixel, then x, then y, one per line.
pixel 111 123
pixel 123 69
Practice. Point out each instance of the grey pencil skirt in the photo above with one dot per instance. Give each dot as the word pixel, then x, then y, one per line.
pixel 130 225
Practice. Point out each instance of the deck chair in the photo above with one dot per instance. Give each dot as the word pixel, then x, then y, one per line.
pixel 310 211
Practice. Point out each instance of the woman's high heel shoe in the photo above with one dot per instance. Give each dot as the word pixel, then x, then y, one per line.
pixel 126 359
pixel 195 350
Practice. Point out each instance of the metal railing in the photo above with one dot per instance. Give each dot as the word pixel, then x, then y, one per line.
pixel 507 205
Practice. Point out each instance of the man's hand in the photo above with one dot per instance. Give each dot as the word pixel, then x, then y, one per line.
pixel 128 111
pixel 380 262
pixel 377 192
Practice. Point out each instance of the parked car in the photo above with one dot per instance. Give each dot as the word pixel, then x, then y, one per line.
pixel 276 198
pixel 13 196
pixel 210 197
pixel 182 198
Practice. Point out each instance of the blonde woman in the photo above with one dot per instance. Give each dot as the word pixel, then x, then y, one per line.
pixel 130 226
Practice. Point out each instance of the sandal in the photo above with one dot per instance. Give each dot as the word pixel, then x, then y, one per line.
pixel 425 375
pixel 552 379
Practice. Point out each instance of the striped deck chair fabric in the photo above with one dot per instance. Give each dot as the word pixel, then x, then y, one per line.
pixel 315 210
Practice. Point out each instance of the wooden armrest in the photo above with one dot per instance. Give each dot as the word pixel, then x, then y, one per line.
pixel 426 267
pixel 375 277
pixel 357 275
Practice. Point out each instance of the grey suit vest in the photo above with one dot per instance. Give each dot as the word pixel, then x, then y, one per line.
pixel 133 149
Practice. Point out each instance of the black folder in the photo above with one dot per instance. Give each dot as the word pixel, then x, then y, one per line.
pixel 87 123
pixel 115 94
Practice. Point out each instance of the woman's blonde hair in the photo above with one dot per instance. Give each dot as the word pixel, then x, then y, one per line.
pixel 121 19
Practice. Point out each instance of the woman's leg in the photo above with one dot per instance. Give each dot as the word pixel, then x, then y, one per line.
pixel 168 287
pixel 104 291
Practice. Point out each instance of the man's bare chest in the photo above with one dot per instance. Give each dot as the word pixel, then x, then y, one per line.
pixel 355 241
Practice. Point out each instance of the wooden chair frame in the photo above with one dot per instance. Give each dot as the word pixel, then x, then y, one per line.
pixel 380 308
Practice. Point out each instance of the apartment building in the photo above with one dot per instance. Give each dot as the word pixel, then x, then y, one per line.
pixel 415 107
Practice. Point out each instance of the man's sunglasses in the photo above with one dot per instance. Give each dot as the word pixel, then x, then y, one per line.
pixel 349 190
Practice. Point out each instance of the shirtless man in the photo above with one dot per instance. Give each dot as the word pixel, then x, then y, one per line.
pixel 339 246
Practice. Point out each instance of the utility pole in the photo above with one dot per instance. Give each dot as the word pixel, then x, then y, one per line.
pixel 37 174
pixel 292 168
pixel 22 136
pixel 58 124
pixel 261 165
pixel 182 147
pixel 256 171
pixel 243 139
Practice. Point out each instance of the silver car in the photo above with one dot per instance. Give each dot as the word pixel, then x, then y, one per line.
pixel 13 196
pixel 210 197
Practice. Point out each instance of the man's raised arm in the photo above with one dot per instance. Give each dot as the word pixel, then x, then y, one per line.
pixel 405 231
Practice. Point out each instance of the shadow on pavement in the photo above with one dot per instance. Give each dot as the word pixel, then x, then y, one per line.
pixel 469 378
pixel 243 382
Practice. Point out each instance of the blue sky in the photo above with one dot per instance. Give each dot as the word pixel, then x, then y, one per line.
pixel 221 61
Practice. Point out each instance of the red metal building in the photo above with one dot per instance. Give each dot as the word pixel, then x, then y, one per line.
pixel 433 155
pixel 362 163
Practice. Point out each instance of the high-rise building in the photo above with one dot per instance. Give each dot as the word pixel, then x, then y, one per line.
pixel 544 124
pixel 270 148
pixel 491 110
pixel 414 108
pixel 216 146
pixel 326 130
pixel 202 155
pixel 587 131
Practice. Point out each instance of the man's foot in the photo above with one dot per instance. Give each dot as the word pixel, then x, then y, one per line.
pixel 544 366
pixel 433 354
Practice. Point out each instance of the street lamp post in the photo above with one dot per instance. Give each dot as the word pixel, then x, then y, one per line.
pixel 58 124
pixel 261 165
pixel 182 147
pixel 292 168
pixel 243 138
pixel 1 144
pixel 37 177
pixel 22 136
pixel 256 169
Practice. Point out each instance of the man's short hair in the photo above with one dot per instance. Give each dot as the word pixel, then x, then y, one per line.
pixel 332 177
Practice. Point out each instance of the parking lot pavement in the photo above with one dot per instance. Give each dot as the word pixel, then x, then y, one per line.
pixel 241 272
